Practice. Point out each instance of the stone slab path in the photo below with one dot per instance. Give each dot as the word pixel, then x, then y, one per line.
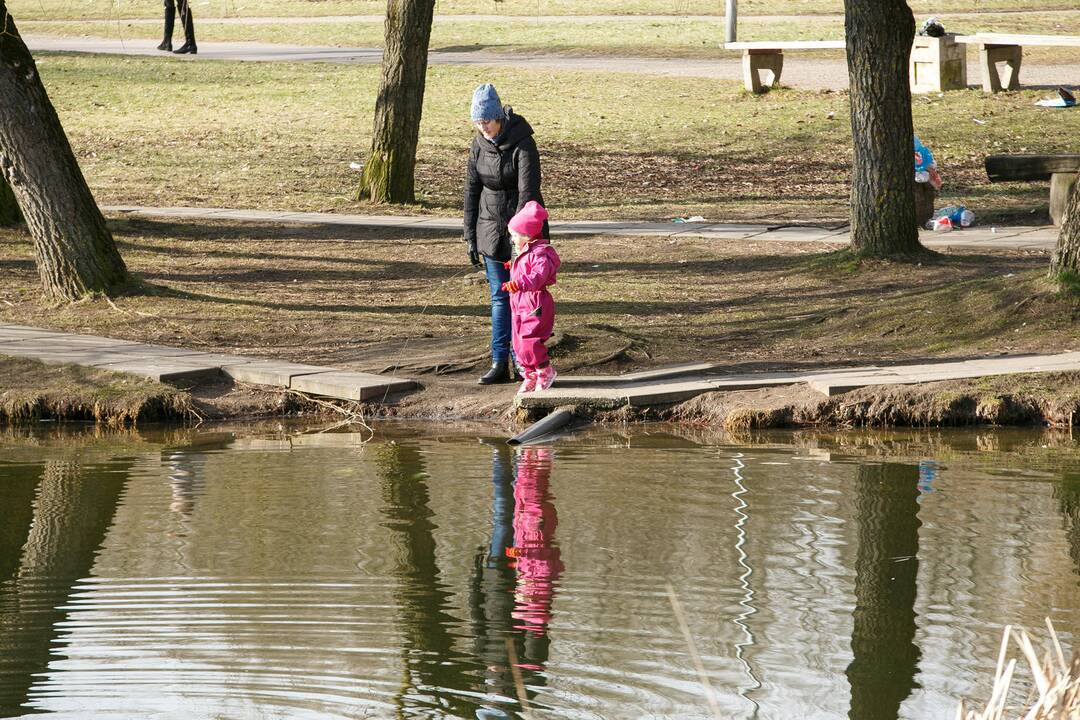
pixel 1037 238
pixel 673 385
pixel 178 366
pixel 802 71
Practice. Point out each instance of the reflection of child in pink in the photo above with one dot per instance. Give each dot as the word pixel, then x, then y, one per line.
pixel 535 555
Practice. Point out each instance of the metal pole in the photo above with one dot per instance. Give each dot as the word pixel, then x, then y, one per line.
pixel 730 18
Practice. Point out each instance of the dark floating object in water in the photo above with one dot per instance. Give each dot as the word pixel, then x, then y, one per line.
pixel 549 424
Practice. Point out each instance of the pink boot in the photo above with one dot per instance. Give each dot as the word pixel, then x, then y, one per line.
pixel 530 382
pixel 544 377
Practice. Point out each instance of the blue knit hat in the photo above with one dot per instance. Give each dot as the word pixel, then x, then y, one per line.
pixel 486 104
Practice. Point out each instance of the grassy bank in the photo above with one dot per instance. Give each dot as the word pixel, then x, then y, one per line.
pixel 112 9
pixel 31 391
pixel 282 136
pixel 658 37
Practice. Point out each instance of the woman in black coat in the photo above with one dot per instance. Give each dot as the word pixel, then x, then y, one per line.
pixel 503 175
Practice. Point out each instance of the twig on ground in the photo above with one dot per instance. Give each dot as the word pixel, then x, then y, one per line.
pixel 621 352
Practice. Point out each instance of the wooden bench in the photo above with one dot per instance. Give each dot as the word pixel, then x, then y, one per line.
pixel 763 60
pixel 997 48
pixel 1060 170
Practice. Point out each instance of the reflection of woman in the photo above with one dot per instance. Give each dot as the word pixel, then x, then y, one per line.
pixel 503 174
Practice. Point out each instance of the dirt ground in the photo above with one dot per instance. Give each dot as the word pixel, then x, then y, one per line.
pixel 407 303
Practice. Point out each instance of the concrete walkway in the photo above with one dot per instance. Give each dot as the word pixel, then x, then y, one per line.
pixel 806 70
pixel 177 366
pixel 673 385
pixel 1037 238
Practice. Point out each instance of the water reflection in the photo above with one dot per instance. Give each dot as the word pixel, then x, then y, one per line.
pixel 435 675
pixel 61 512
pixel 882 673
pixel 424 576
pixel 514 579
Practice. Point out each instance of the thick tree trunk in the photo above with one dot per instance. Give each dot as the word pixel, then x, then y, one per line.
pixel 75 252
pixel 389 172
pixel 886 659
pixel 1067 254
pixel 9 207
pixel 879 34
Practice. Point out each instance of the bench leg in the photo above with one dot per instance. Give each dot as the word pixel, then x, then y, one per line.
pixel 1061 184
pixel 761 70
pixel 990 56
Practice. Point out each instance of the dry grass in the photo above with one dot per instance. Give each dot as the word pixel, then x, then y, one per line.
pixel 369 298
pixel 281 136
pixel 1056 694
pixel 31 391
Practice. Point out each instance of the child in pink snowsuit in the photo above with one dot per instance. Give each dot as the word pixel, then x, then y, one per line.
pixel 532 309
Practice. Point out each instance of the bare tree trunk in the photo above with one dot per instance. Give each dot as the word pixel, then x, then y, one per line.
pixel 389 172
pixel 879 34
pixel 75 252
pixel 9 207
pixel 1067 254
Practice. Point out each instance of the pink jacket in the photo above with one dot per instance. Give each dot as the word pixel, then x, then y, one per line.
pixel 532 306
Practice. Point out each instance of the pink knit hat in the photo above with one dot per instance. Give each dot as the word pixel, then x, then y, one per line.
pixel 529 221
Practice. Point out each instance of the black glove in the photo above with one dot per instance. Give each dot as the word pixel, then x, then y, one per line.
pixel 474 256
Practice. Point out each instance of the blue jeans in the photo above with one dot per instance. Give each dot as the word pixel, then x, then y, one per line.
pixel 497 274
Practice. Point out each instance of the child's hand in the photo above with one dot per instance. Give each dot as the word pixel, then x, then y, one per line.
pixel 510 287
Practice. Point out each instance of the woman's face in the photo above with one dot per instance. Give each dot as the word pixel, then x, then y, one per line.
pixel 489 128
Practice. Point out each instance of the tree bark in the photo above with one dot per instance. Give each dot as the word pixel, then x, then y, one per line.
pixel 389 172
pixel 1066 256
pixel 75 252
pixel 879 34
pixel 9 208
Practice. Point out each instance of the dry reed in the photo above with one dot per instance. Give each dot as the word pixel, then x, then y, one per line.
pixel 1056 693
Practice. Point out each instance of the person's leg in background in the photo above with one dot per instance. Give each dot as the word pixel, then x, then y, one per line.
pixel 170 18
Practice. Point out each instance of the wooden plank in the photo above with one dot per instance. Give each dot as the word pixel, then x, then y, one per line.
pixel 780 45
pixel 1009 39
pixel 1005 168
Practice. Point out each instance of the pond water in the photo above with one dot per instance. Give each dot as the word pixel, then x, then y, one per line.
pixel 277 572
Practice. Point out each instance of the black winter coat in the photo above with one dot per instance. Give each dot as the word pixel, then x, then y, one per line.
pixel 502 176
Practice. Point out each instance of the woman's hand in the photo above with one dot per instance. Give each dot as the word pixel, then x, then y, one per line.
pixel 474 256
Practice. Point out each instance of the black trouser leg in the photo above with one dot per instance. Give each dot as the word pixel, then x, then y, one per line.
pixel 170 18
pixel 189 23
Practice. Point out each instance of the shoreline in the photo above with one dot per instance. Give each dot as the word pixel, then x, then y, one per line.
pixel 65 393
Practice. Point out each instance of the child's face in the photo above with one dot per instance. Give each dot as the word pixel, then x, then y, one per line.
pixel 519 240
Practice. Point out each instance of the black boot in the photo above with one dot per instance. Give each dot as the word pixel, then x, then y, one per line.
pixel 189 30
pixel 501 372
pixel 170 18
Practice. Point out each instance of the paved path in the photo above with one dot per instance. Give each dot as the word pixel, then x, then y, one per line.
pixel 1038 238
pixel 563 19
pixel 179 366
pixel 673 385
pixel 804 70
